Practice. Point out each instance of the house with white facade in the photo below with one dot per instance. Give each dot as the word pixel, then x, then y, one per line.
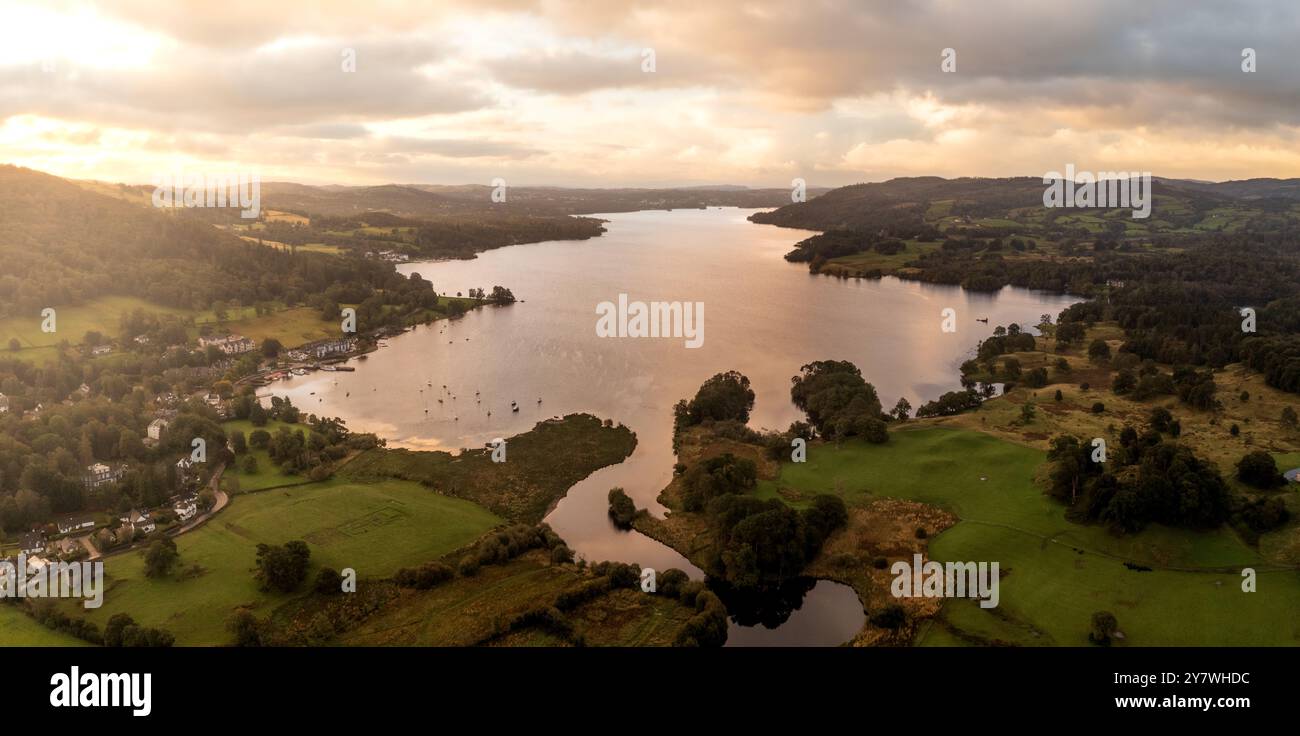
pixel 186 506
pixel 156 428
pixel 75 523
pixel 100 474
pixel 139 521
pixel 229 344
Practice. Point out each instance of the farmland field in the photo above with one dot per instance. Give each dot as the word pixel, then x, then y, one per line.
pixel 1057 573
pixel 373 528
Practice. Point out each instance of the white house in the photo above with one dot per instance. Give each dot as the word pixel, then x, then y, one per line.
pixel 100 474
pixel 4 404
pixel 140 521
pixel 333 347
pixel 229 344
pixel 75 523
pixel 185 506
pixel 156 428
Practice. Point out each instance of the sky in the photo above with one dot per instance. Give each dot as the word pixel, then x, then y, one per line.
pixel 604 93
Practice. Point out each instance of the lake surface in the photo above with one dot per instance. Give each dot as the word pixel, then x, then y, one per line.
pixel 763 316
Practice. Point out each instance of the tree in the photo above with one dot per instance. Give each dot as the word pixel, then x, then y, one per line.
pixel 257 415
pixel 1104 626
pixel 117 623
pixel 1099 351
pixel 1289 418
pixel 238 442
pixel 1027 412
pixel 329 582
pixel 1124 382
pixel 725 396
pixel 1259 469
pixel 243 625
pixel 621 508
pixel 282 567
pixel 902 409
pixel 160 558
pixel 838 401
pixel 271 347
pixel 259 439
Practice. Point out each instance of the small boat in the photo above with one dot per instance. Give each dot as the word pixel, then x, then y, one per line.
pixel 515 409
pixel 985 320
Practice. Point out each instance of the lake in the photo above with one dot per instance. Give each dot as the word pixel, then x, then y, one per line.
pixel 763 316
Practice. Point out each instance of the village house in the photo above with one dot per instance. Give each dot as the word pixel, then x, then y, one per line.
pixel 4 404
pixel 333 347
pixel 100 474
pixel 186 506
pixel 156 428
pixel 84 390
pixel 215 401
pixel 68 546
pixel 139 521
pixel 75 523
pixel 229 344
pixel 32 543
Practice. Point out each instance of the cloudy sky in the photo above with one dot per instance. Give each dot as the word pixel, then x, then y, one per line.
pixel 558 92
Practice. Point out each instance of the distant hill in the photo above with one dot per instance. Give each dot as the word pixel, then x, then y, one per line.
pixel 919 206
pixel 1247 188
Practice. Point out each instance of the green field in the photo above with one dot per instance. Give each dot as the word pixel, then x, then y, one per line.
pixel 268 474
pixel 17 629
pixel 292 327
pixel 373 528
pixel 1056 573
pixel 101 315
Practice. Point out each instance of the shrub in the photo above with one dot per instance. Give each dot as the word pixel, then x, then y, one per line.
pixel 621 508
pixel 890 616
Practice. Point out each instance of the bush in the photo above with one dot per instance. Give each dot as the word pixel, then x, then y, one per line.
pixel 1104 626
pixel 890 616
pixel 621 508
pixel 1259 469
pixel 329 582
pixel 672 582
pixel 468 566
pixel 282 567
pixel 561 555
